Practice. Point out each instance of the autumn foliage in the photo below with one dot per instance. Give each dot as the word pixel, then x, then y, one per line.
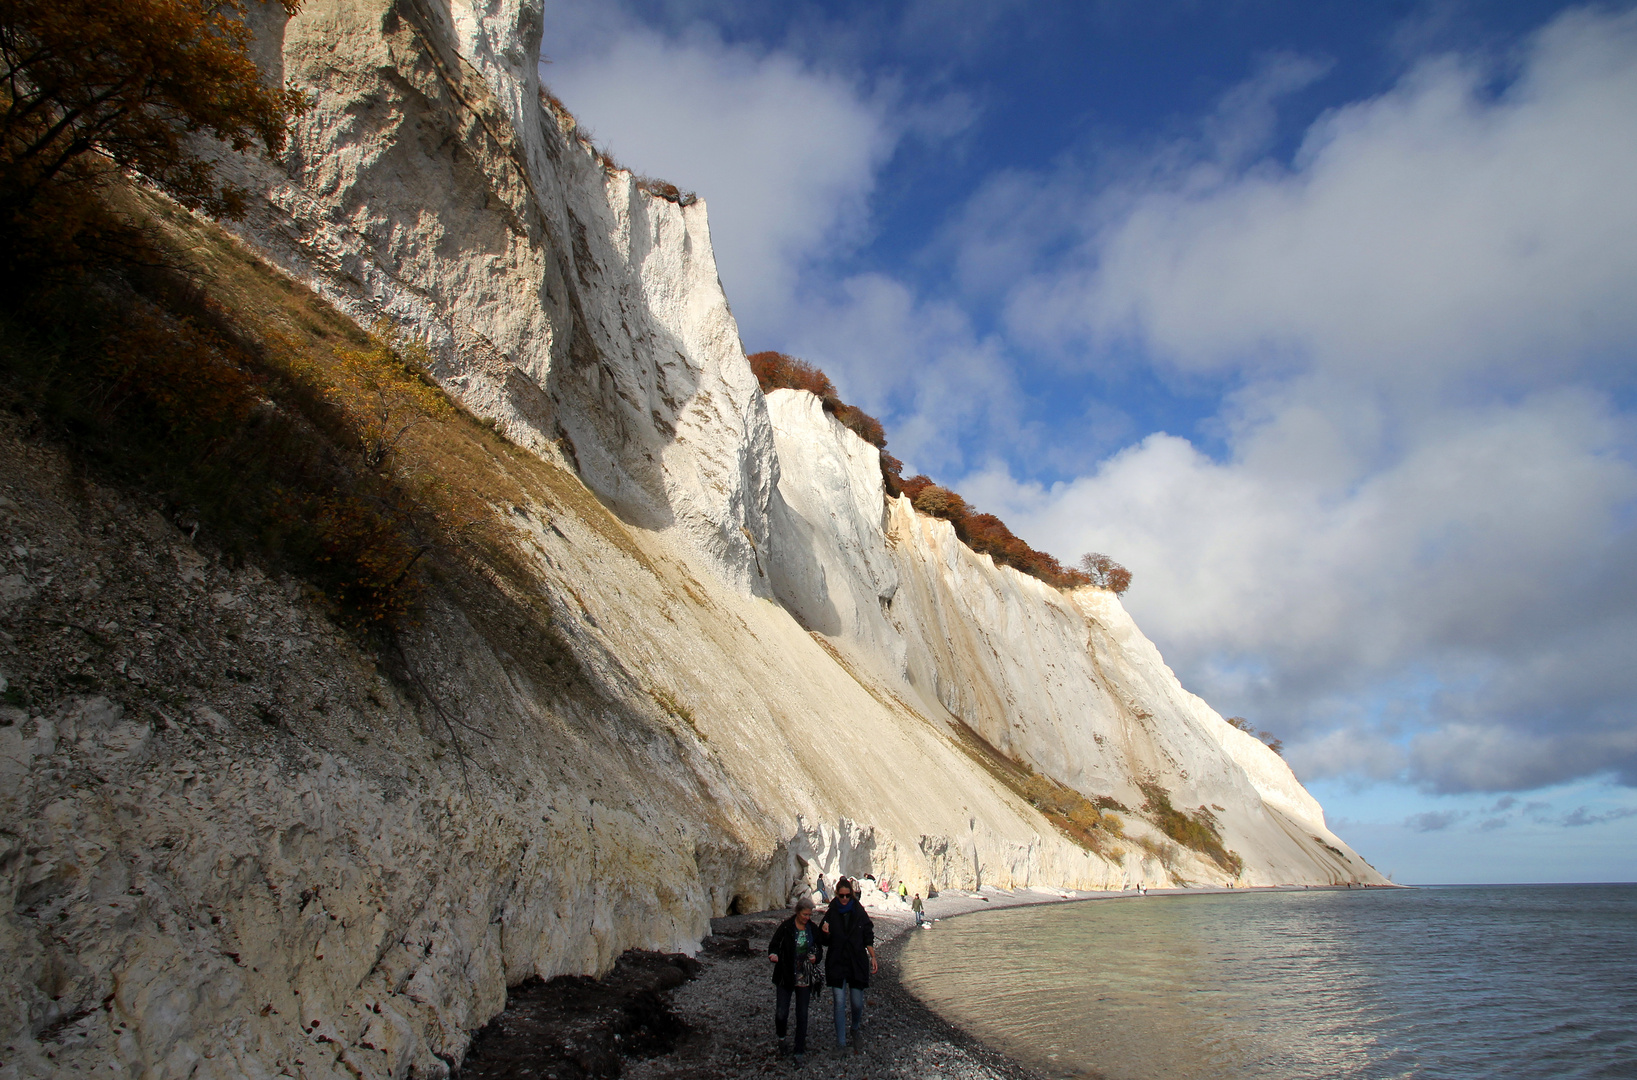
pixel 90 89
pixel 1197 830
pixel 153 387
pixel 1105 573
pixel 776 371
pixel 989 535
pixel 984 533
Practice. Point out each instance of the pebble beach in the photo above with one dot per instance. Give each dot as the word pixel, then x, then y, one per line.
pixel 658 1017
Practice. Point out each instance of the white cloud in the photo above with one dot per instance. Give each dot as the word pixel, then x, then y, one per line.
pixel 1423 234
pixel 784 153
pixel 1415 555
pixel 890 349
pixel 1418 548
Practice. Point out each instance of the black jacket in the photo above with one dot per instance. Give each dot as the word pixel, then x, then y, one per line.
pixel 783 946
pixel 848 935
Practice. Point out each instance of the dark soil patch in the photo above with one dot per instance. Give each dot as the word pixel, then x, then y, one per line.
pixel 573 1027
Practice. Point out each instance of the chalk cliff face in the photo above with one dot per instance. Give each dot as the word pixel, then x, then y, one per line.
pixel 1062 681
pixel 775 671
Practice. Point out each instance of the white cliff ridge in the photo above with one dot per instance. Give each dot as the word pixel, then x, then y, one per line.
pixel 732 662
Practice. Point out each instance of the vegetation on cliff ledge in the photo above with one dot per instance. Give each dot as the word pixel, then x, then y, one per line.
pixel 983 533
pixel 91 92
pixel 1197 830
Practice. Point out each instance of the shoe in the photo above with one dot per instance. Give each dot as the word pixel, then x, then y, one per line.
pixel 797 1060
pixel 784 1047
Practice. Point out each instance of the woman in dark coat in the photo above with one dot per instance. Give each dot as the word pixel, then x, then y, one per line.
pixel 849 935
pixel 794 953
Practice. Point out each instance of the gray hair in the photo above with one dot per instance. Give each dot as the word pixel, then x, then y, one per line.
pixel 805 903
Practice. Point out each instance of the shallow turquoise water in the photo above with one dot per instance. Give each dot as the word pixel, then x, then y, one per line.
pixel 1456 982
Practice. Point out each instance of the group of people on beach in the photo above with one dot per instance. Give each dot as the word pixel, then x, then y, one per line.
pixel 838 951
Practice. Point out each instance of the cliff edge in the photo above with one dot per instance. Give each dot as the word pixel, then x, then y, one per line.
pixel 707 660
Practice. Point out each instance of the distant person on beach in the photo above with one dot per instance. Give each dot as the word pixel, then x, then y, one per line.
pixel 903 891
pixel 794 953
pixel 824 894
pixel 849 935
pixel 915 906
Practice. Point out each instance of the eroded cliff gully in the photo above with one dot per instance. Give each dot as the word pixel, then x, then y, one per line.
pixel 258 849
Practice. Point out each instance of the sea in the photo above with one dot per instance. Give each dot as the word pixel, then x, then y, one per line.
pixel 1491 982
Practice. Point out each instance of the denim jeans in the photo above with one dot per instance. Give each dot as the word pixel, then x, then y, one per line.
pixel 842 993
pixel 781 1012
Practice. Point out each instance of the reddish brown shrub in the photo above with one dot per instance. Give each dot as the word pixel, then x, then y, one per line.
pixel 938 501
pixel 1105 573
pixel 911 489
pixel 666 190
pixel 93 90
pixel 983 533
pixel 892 474
pixel 859 422
pixel 776 371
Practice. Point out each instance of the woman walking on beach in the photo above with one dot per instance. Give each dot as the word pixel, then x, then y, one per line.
pixel 850 936
pixel 794 953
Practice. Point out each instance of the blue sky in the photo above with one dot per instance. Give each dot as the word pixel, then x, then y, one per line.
pixel 1317 315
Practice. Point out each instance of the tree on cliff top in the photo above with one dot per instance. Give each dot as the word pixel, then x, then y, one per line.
pixel 1105 573
pixel 92 86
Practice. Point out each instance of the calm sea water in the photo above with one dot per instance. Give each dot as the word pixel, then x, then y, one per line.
pixel 1461 981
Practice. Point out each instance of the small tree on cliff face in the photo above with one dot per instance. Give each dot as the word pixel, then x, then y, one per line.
pixel 90 86
pixel 1105 573
pixel 1277 745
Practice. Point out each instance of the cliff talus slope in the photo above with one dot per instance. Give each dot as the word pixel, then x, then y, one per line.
pixel 697 658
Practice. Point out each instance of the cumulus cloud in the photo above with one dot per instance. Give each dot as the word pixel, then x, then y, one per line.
pixel 1416 551
pixel 920 359
pixel 1408 546
pixel 1430 232
pixel 785 153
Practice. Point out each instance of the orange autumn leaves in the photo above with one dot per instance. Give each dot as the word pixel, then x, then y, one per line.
pixel 984 533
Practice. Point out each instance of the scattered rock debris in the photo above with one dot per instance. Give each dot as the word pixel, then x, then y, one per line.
pixel 664 1017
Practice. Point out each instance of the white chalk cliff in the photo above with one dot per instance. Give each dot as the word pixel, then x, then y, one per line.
pixel 781 670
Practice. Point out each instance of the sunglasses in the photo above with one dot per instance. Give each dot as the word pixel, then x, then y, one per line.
pixel 843 895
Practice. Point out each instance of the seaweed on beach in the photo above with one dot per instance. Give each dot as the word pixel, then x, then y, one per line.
pixel 575 1027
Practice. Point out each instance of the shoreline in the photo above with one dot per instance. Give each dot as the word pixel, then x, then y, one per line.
pixel 663 1017
pixel 952 903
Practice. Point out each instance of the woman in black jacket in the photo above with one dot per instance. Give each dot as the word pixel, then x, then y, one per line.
pixel 794 953
pixel 850 936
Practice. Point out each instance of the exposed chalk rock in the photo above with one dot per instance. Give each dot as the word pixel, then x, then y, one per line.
pixel 734 664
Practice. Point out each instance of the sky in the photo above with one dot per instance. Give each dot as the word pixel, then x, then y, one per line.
pixel 1321 316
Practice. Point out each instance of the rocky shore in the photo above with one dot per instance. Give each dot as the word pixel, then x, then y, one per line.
pixel 714 1019
pixel 672 1017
